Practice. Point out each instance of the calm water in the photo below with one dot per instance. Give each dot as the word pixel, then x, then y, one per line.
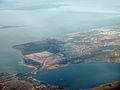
pixel 85 75
pixel 44 18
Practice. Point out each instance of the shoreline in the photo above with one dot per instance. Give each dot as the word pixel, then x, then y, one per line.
pixel 101 31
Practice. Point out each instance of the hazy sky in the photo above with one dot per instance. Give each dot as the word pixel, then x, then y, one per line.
pixel 77 5
pixel 62 14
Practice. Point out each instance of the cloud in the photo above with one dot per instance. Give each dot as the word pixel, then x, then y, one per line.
pixel 35 7
pixel 28 6
pixel 5 27
pixel 96 12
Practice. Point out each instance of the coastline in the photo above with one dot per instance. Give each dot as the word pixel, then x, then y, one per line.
pixel 22 63
pixel 102 32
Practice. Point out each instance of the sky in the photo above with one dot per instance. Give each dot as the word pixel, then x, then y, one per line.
pixel 77 5
pixel 58 14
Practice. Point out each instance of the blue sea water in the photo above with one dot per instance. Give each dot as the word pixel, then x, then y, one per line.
pixel 84 75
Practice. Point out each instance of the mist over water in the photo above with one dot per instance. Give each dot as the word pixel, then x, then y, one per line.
pixel 56 16
pixel 31 20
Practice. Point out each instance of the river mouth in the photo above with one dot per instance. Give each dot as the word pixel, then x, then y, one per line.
pixel 81 76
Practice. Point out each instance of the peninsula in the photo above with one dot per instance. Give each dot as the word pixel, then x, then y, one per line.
pixel 102 44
